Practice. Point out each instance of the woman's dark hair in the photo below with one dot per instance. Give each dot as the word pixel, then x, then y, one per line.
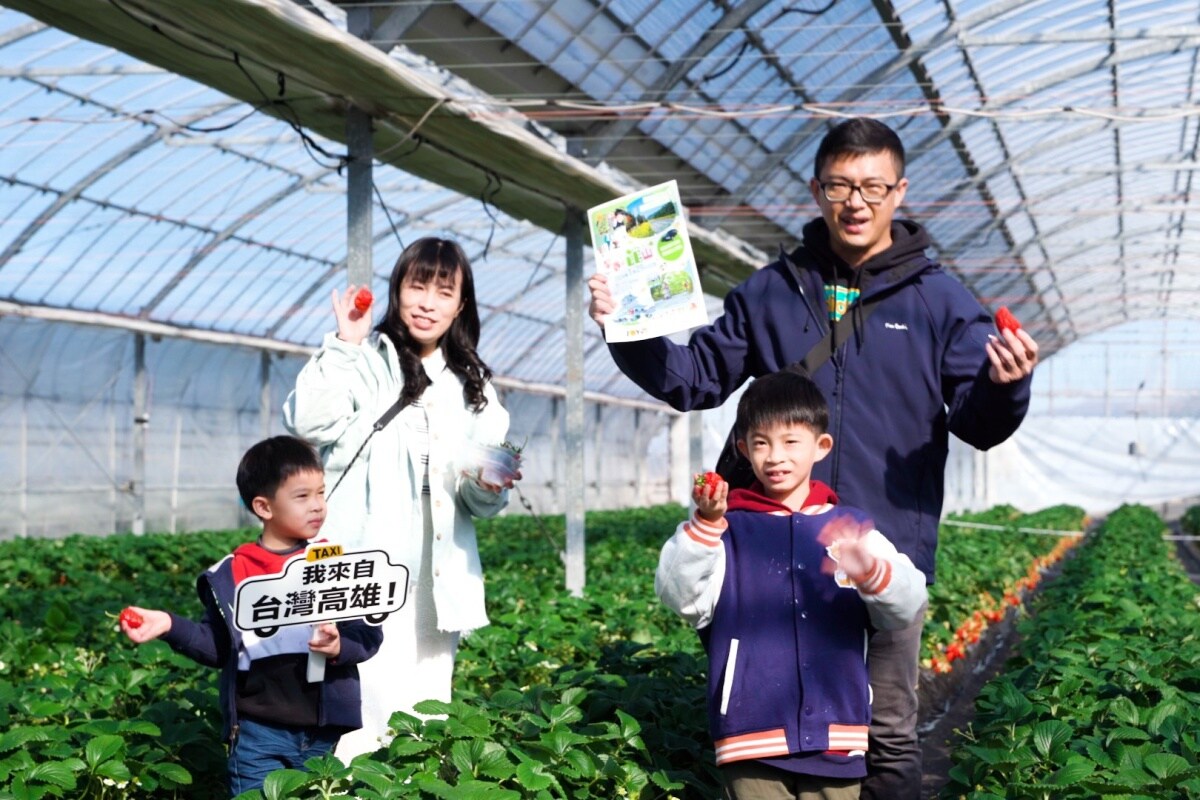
pixel 271 462
pixel 431 260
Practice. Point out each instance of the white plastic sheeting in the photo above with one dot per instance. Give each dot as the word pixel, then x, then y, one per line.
pixel 67 434
pixel 1095 463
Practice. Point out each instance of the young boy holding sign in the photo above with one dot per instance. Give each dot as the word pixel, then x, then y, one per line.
pixel 274 716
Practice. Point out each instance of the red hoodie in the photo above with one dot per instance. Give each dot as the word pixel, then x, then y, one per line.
pixel 753 499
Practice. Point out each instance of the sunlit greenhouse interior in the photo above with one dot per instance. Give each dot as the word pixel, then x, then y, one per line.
pixel 188 189
pixel 176 209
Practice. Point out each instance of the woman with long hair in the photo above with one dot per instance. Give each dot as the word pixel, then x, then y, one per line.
pixel 408 481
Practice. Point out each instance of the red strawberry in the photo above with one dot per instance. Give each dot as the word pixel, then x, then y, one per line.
pixel 708 480
pixel 363 300
pixel 1005 320
pixel 131 618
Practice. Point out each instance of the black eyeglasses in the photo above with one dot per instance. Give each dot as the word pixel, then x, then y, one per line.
pixel 872 192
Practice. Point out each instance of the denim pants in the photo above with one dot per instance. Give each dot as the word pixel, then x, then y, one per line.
pixel 262 747
pixel 894 753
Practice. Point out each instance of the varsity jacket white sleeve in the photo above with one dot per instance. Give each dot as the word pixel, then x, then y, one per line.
pixel 691 570
pixel 895 590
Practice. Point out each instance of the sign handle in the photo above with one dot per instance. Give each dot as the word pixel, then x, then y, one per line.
pixel 316 661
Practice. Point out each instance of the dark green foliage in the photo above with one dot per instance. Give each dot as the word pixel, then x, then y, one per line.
pixel 1103 698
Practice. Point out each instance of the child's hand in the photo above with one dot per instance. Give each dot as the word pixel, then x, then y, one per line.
pixel 846 537
pixel 496 488
pixel 711 496
pixel 327 639
pixel 352 325
pixel 154 624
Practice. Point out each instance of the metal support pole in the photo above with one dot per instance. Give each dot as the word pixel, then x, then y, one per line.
pixel 264 392
pixel 679 450
pixel 174 523
pixel 23 524
pixel 359 185
pixel 573 440
pixel 696 442
pixel 141 421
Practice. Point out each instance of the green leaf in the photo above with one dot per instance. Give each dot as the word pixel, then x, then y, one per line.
pixel 582 762
pixel 1124 711
pixel 21 736
pixel 533 777
pixel 172 772
pixel 113 769
pixel 101 748
pixel 1076 769
pixel 1165 765
pixel 1126 734
pixel 495 763
pixel 465 755
pixel 560 741
pixel 57 773
pixel 433 708
pixel 564 715
pixel 1048 734
pixel 283 783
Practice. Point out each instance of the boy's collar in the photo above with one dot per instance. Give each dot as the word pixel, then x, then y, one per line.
pixel 753 499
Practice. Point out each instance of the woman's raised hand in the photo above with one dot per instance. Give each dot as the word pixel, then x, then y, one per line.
pixel 352 325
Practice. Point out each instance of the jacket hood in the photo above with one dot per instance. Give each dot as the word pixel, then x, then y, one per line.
pixel 253 559
pixel 909 242
pixel 752 499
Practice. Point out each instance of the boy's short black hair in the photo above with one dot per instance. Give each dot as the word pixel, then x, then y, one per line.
pixel 859 136
pixel 270 463
pixel 786 397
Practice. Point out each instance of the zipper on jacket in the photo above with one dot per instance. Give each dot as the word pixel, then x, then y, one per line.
pixel 790 266
pixel 839 389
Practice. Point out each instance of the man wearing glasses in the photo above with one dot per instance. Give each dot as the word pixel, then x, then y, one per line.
pixel 919 359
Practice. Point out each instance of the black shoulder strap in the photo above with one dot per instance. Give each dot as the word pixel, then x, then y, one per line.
pixel 839 331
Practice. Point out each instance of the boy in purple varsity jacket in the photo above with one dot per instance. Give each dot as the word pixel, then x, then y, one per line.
pixel 784 588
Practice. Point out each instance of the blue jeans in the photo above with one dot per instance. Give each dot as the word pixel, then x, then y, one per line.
pixel 262 747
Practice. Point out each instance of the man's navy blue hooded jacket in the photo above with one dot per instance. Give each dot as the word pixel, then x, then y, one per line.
pixel 910 373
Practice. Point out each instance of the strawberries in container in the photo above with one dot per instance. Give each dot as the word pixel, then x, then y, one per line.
pixel 500 463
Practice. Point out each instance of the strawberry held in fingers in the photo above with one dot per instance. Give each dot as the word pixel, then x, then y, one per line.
pixel 709 481
pixel 363 300
pixel 131 618
pixel 1005 320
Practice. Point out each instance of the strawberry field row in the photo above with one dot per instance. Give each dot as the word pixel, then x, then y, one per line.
pixel 1103 696
pixel 587 697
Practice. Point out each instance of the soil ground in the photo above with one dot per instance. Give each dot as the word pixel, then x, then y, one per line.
pixel 941 716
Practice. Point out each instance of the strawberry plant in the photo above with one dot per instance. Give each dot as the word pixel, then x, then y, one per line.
pixel 982 573
pixel 597 696
pixel 1189 523
pixel 1103 696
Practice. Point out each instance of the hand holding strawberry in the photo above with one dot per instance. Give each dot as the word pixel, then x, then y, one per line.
pixel 142 625
pixel 353 322
pixel 710 492
pixel 1005 321
pixel 1013 354
pixel 362 300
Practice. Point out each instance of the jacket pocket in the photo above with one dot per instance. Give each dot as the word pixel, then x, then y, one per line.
pixel 730 671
